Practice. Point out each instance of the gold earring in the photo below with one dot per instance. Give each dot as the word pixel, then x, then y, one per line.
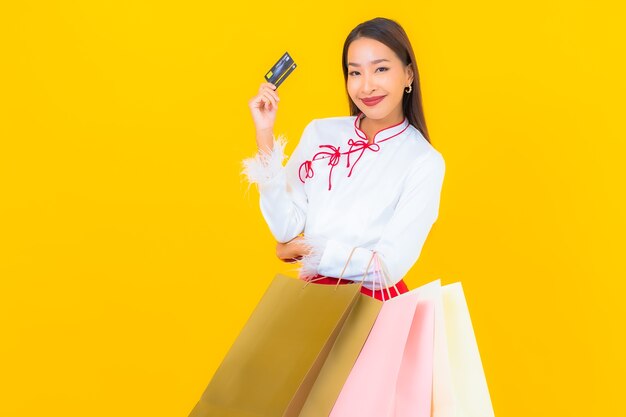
pixel 410 89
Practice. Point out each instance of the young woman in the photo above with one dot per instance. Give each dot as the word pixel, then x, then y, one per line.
pixel 370 181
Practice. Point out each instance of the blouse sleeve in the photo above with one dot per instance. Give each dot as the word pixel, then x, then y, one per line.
pixel 283 200
pixel 403 236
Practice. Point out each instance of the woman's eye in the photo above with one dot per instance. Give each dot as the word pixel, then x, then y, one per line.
pixel 356 72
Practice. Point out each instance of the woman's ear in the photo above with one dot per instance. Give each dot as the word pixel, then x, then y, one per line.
pixel 409 69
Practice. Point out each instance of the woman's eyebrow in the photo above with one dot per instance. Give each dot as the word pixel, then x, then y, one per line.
pixel 376 61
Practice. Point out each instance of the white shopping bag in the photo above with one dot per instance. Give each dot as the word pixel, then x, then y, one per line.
pixel 459 383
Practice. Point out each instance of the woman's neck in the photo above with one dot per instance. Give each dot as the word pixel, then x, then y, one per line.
pixel 371 126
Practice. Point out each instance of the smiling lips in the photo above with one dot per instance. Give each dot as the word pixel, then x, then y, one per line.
pixel 372 101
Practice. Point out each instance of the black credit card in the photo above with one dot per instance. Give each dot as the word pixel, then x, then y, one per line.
pixel 281 70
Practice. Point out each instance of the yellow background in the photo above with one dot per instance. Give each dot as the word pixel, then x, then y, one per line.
pixel 132 253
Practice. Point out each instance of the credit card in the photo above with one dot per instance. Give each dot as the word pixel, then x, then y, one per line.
pixel 281 70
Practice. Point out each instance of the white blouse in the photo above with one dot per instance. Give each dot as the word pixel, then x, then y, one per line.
pixel 343 193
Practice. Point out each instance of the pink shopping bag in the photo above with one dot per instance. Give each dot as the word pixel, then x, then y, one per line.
pixel 415 382
pixel 393 373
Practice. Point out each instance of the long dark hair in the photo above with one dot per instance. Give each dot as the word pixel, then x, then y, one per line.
pixel 390 33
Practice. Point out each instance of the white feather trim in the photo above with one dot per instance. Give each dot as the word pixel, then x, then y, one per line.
pixel 264 166
pixel 311 261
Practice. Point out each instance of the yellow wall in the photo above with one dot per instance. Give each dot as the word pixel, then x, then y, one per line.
pixel 131 254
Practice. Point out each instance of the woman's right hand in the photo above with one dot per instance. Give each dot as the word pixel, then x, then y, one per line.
pixel 263 107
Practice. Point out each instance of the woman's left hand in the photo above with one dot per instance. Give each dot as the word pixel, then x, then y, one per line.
pixel 293 250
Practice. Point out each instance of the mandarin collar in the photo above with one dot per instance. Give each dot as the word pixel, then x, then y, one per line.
pixel 383 134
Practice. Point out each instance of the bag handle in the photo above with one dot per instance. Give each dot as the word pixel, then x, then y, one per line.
pixel 385 275
pixel 344 270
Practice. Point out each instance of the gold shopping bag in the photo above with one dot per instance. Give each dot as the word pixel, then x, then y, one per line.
pixel 273 364
pixel 342 357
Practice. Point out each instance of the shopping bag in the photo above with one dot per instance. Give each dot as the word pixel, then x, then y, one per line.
pixel 274 362
pixel 443 400
pixel 342 357
pixel 398 349
pixel 470 391
pixel 415 379
pixel 459 384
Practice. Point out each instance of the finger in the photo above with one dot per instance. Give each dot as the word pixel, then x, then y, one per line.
pixel 260 101
pixel 267 86
pixel 268 95
pixel 291 260
pixel 275 95
pixel 265 102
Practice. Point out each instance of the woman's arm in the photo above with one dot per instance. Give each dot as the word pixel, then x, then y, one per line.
pixel 283 200
pixel 403 237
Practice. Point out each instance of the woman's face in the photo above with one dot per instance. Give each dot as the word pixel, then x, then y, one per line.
pixel 375 70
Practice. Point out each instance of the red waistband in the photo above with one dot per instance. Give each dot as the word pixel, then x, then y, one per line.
pixel 378 294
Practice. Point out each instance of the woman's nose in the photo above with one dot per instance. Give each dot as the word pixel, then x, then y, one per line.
pixel 368 84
